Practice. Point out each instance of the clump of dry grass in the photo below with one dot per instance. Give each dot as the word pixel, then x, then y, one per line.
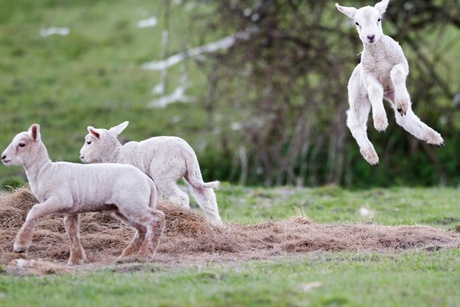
pixel 188 237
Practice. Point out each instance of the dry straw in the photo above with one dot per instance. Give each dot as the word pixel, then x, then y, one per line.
pixel 188 239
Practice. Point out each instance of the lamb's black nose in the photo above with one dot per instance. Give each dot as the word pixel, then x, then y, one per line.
pixel 3 157
pixel 371 38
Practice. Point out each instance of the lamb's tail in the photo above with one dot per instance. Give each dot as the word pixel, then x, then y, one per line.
pixel 194 177
pixel 196 180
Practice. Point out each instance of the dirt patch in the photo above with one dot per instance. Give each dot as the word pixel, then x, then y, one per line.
pixel 189 240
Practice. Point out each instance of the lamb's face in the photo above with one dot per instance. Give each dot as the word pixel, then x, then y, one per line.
pixel 89 151
pixel 19 150
pixel 100 144
pixel 368 21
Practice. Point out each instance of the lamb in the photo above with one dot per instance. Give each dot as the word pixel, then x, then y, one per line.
pixel 165 159
pixel 381 74
pixel 70 188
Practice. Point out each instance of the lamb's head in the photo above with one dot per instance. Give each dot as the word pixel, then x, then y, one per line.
pixel 101 145
pixel 24 148
pixel 368 20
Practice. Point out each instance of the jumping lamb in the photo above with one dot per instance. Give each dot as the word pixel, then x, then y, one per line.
pixel 122 191
pixel 165 159
pixel 381 74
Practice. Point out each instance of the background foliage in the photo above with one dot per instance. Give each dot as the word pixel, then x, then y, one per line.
pixel 289 78
pixel 268 110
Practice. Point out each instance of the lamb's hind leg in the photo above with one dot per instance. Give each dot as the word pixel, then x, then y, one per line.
pixel 206 198
pixel 155 226
pixel 175 195
pixel 138 238
pixel 412 124
pixel 72 227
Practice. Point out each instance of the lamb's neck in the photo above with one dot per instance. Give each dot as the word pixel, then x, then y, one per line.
pixel 112 156
pixel 376 49
pixel 36 166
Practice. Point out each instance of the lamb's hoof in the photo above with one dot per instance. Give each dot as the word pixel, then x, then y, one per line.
pixel 441 145
pixel 381 123
pixel 375 165
pixel 75 262
pixel 20 249
pixel 370 156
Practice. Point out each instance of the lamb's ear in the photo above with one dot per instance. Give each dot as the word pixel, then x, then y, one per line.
pixel 349 11
pixel 34 131
pixel 382 6
pixel 118 129
pixel 93 131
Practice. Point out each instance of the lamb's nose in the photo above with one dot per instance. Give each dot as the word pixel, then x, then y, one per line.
pixel 3 157
pixel 371 38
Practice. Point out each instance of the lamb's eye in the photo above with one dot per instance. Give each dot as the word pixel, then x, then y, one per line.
pixel 379 19
pixel 88 142
pixel 357 24
pixel 22 144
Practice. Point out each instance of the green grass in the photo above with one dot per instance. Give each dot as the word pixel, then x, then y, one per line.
pixel 329 204
pixel 410 278
pixel 343 279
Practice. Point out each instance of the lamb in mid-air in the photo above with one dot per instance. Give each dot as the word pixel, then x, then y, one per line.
pixel 70 188
pixel 165 159
pixel 381 74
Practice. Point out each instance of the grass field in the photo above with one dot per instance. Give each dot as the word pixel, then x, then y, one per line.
pixel 367 279
pixel 93 75
pixel 363 278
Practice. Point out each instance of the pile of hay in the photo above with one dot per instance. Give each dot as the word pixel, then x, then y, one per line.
pixel 189 239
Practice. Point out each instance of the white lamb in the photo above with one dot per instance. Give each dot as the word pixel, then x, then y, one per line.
pixel 69 188
pixel 165 159
pixel 381 74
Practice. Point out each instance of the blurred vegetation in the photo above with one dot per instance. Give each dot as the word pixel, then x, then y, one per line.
pixel 269 110
pixel 288 73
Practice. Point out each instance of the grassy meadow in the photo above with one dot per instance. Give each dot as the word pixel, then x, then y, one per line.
pixel 363 278
pixel 93 75
pixel 413 279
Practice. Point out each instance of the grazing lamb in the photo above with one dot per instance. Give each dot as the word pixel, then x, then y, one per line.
pixel 381 74
pixel 165 159
pixel 69 188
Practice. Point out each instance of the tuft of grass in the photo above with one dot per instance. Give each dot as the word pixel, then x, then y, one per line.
pixel 455 227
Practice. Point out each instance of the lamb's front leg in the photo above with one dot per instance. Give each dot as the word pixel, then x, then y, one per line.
pixel 72 226
pixel 357 126
pixel 38 211
pixel 398 77
pixel 375 94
